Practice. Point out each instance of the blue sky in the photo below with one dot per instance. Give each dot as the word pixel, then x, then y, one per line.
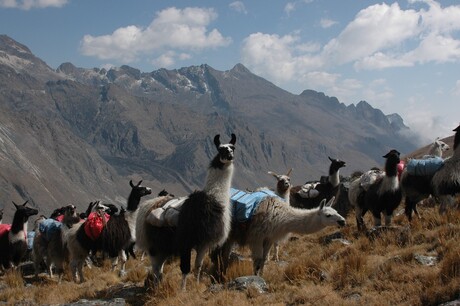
pixel 400 56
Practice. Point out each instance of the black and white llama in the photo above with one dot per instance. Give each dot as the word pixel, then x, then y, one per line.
pixel 137 192
pixel 13 238
pixel 312 193
pixel 382 196
pixel 116 235
pixel 446 181
pixel 418 184
pixel 204 220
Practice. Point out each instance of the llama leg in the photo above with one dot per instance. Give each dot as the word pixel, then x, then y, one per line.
pixel 257 258
pixel 409 208
pixel 157 263
pixel 114 263
pixel 388 219
pixel 359 213
pixel 446 202
pixel 73 269
pixel 185 258
pixel 199 262
pixel 377 218
pixel 220 258
pixel 123 256
pixel 80 271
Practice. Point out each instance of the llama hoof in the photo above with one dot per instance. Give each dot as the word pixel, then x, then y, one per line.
pixel 150 282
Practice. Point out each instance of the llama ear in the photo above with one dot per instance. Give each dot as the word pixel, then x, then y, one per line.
pixel 131 183
pixel 25 203
pixel 138 184
pixel 217 140
pixel 330 158
pixel 233 140
pixel 15 205
pixel 273 173
pixel 331 201
pixel 289 172
pixel 321 205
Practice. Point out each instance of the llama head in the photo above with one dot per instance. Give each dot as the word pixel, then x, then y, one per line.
pixel 138 190
pixel 441 144
pixel 70 210
pixel 225 151
pixel 164 192
pixel 24 212
pixel 393 156
pixel 336 164
pixel 283 181
pixel 328 215
pixel 97 206
pixel 457 137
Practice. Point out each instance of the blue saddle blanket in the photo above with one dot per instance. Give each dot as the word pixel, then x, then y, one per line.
pixel 423 167
pixel 48 227
pixel 245 203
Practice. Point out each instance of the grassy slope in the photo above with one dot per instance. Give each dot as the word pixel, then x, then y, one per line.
pixel 366 272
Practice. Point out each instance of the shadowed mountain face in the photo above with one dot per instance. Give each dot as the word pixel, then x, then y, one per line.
pixel 73 135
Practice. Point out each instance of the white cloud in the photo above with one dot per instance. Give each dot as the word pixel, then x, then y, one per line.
pixel 327 23
pixel 456 89
pixel 277 56
pixel 238 6
pixel 376 28
pixel 172 29
pixel 289 7
pixel 29 4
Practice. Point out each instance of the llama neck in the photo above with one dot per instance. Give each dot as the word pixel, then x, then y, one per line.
pixel 300 221
pixel 334 178
pixel 19 224
pixel 218 182
pixel 284 195
pixel 130 217
pixel 389 183
pixel 457 145
pixel 436 151
pixel 133 201
pixel 18 229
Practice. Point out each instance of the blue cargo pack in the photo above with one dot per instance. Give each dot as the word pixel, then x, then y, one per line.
pixel 424 167
pixel 245 203
pixel 48 227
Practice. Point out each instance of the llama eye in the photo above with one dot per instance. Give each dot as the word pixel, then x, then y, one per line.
pixel 328 216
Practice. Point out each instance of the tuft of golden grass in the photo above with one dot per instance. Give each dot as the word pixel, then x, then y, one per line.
pixel 379 269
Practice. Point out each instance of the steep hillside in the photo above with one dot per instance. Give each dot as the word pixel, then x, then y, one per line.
pixel 86 132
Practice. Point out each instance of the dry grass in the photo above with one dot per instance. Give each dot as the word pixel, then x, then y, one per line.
pixel 381 269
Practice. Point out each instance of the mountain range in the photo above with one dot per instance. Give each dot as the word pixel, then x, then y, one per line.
pixel 73 135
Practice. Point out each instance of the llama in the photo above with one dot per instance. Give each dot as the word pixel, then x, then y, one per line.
pixel 446 181
pixel 438 147
pixel 382 194
pixel 116 236
pixel 318 190
pixel 271 222
pixel 49 246
pixel 204 220
pixel 283 188
pixel 417 188
pixel 1 215
pixel 130 214
pixel 13 238
pixel 79 244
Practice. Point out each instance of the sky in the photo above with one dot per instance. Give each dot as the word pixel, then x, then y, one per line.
pixel 400 56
